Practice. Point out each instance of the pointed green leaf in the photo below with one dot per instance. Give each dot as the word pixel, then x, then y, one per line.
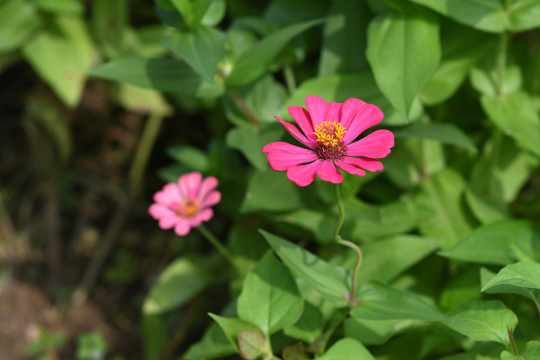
pixel 532 352
pixel 177 284
pixel 213 345
pixel 516 115
pixel 269 297
pixel 232 327
pixel 521 278
pixel 252 344
pixel 329 280
pixel 69 37
pixel 347 349
pixel 443 193
pixel 403 51
pixel 19 19
pixel 250 140
pixel 483 321
pixel 200 48
pixel 379 301
pixel 373 332
pixel 501 243
pixel 253 62
pixel 444 133
pixel 166 75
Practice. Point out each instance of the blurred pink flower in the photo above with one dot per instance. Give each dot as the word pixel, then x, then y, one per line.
pixel 328 130
pixel 186 204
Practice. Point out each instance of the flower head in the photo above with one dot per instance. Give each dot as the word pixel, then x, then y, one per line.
pixel 185 204
pixel 328 134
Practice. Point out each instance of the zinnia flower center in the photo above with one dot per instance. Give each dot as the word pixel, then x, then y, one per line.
pixel 330 144
pixel 189 208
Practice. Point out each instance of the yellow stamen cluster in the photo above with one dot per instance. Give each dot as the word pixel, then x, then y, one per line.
pixel 189 209
pixel 330 145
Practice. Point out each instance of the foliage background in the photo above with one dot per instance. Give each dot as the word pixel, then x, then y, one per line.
pixel 103 101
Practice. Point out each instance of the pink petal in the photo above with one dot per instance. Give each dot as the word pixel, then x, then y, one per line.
pixel 168 195
pixel 158 211
pixel 365 163
pixel 206 214
pixel 168 222
pixel 349 110
pixel 303 175
pixel 195 220
pixel 333 112
pixel 283 160
pixel 328 172
pixel 189 184
pixel 302 118
pixel 211 199
pixel 208 184
pixel 281 146
pixel 291 129
pixel 351 169
pixel 317 109
pixel 366 117
pixel 182 228
pixel 375 145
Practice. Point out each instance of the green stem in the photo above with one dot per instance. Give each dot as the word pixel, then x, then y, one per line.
pixel 513 346
pixel 136 172
pixel 243 106
pixel 289 79
pixel 347 243
pixel 215 242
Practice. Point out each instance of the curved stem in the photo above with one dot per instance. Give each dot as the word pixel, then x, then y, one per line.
pixel 347 243
pixel 216 243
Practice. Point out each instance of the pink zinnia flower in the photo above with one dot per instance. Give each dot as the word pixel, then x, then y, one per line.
pixel 186 204
pixel 328 132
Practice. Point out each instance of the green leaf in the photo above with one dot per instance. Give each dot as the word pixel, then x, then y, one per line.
pixel 166 75
pixel 501 243
pixel 490 16
pixel 233 326
pixel 344 86
pixel 254 61
pixel 66 7
pixel 344 38
pixel 252 344
pixel 192 10
pixel 497 177
pixel 214 344
pixel 373 332
pixel 265 98
pixel 482 15
pixel 444 133
pixel 462 288
pixel 154 335
pixel 200 48
pixel 215 13
pixel 403 51
pixel 364 220
pixel 110 25
pixel 379 301
pixel 20 20
pixel 532 352
pixel 483 321
pixel 69 37
pixel 177 284
pixel 272 191
pixel 141 100
pixel 486 74
pixel 270 298
pixel 443 192
pixel 250 140
pixel 521 278
pixel 347 349
pixel 189 156
pixel 461 48
pixel 385 259
pixel 327 279
pixel 309 326
pixel 516 115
